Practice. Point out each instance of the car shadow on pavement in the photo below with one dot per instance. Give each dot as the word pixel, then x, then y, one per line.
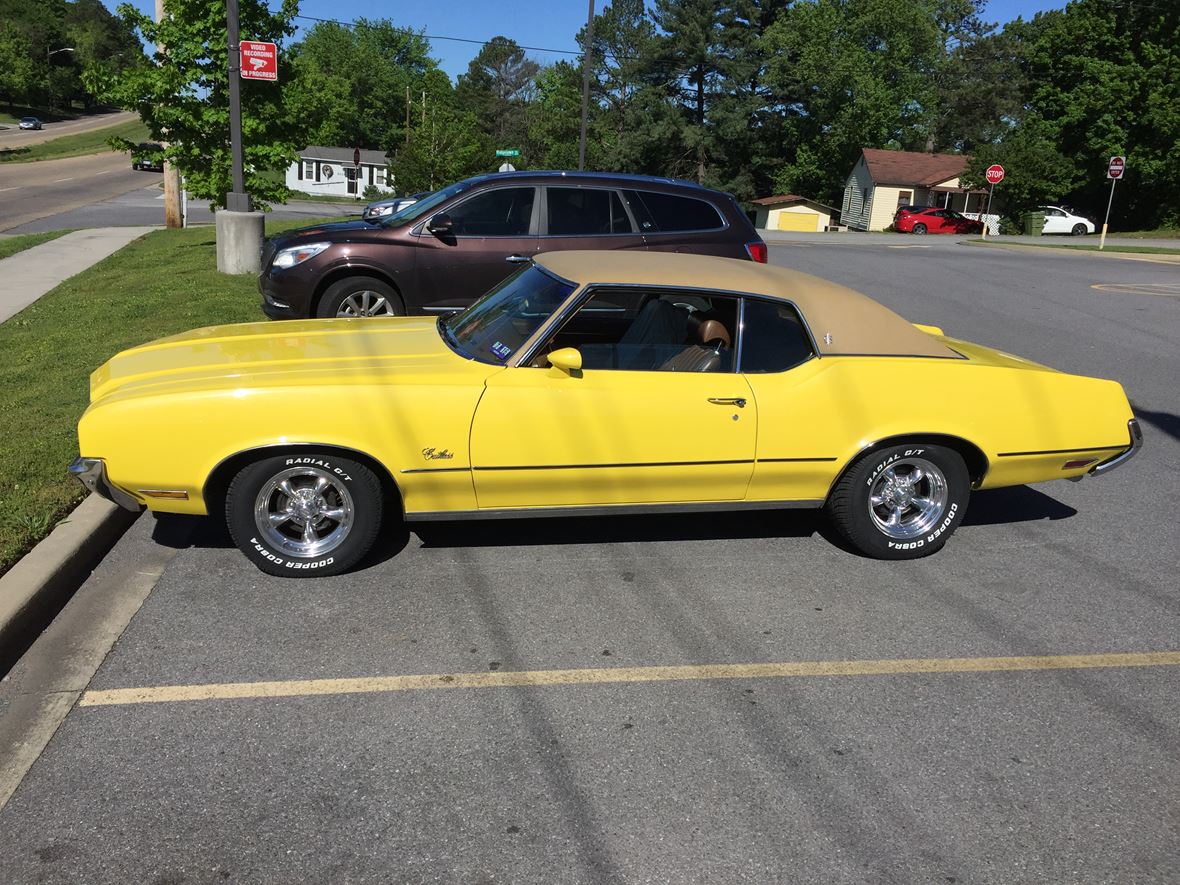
pixel 1015 504
pixel 1165 422
pixel 183 532
pixel 618 529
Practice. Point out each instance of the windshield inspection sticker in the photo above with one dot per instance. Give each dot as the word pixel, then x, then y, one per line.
pixel 501 351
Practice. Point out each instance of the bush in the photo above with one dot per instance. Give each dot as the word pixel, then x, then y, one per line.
pixel 372 192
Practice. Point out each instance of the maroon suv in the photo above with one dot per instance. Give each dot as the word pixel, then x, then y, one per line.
pixel 447 249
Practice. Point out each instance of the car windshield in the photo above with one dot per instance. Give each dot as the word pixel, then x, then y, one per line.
pixel 414 211
pixel 495 327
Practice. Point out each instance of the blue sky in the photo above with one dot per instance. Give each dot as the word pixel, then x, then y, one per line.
pixel 541 23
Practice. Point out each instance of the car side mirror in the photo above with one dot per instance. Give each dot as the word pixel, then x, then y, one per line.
pixel 567 359
pixel 440 223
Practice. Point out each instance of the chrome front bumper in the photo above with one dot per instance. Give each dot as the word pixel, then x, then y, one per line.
pixel 1124 456
pixel 91 472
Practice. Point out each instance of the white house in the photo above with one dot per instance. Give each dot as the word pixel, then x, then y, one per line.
pixel 792 212
pixel 330 170
pixel 881 181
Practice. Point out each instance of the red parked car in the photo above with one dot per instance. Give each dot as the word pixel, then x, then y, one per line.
pixel 936 221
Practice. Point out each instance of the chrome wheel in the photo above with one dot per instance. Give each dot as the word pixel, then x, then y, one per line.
pixel 908 498
pixel 304 512
pixel 365 303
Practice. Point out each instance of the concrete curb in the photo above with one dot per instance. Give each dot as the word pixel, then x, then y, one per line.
pixel 1155 258
pixel 47 575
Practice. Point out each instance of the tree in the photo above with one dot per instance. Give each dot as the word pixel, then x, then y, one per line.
pixel 850 74
pixel 446 146
pixel 183 96
pixel 496 89
pixel 554 118
pixel 353 84
pixel 18 73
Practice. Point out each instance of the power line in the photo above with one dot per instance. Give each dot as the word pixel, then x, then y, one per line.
pixel 334 21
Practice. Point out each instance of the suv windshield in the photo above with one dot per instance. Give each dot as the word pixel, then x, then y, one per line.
pixel 495 327
pixel 415 211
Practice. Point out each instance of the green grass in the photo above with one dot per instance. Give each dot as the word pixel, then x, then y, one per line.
pixel 92 142
pixel 327 198
pixel 164 283
pixel 1162 234
pixel 1148 250
pixel 12 245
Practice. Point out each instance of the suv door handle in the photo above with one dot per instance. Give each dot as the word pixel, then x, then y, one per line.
pixel 517 259
pixel 738 401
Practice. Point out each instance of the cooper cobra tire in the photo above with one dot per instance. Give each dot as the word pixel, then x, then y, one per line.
pixel 919 229
pixel 360 297
pixel 305 514
pixel 1079 230
pixel 901 502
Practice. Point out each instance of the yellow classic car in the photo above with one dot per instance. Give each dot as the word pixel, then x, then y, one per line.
pixel 589 383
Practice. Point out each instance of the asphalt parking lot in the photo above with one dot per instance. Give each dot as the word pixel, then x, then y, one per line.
pixel 571 701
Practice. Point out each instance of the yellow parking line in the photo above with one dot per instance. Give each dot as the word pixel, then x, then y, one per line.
pixel 600 676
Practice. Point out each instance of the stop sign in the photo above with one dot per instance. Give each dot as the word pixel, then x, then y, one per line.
pixel 995 173
pixel 1116 167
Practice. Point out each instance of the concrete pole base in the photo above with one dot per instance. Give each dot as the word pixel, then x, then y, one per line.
pixel 239 241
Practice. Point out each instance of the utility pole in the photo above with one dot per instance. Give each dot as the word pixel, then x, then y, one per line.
pixel 586 50
pixel 172 213
pixel 236 200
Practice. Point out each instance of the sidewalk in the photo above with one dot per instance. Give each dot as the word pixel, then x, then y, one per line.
pixel 27 275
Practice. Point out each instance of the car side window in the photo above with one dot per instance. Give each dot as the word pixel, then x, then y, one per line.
pixel 641 330
pixel 773 338
pixel 583 211
pixel 671 213
pixel 501 212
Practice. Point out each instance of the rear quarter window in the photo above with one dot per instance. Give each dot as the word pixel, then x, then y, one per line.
pixel 773 338
pixel 672 213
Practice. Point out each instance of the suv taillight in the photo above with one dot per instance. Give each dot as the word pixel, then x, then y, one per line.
pixel 757 251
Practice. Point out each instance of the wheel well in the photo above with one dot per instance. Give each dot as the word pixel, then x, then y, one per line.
pixel 217 485
pixel 345 272
pixel 971 454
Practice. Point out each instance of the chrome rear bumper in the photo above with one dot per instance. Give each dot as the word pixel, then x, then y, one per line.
pixel 91 472
pixel 1124 456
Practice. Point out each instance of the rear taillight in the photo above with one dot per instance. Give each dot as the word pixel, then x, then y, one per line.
pixel 757 251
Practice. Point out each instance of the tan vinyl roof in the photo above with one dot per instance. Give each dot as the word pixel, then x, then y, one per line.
pixel 841 320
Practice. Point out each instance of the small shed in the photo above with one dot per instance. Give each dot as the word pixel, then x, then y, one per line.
pixel 792 212
pixel 330 170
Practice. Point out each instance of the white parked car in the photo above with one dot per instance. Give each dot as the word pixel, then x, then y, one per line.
pixel 1062 221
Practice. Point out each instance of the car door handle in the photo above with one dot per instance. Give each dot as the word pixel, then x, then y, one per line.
pixel 517 259
pixel 738 401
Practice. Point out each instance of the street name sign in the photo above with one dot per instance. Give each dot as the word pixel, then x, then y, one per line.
pixel 994 174
pixel 259 61
pixel 510 152
pixel 1116 167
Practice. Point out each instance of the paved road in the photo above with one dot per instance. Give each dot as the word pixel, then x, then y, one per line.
pixel 144 205
pixel 1068 775
pixel 12 136
pixel 32 191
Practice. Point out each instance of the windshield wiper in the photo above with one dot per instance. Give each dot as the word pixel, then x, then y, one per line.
pixel 449 336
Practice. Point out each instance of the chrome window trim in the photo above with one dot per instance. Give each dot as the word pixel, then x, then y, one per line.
pixel 530 347
pixel 588 291
pixel 463 196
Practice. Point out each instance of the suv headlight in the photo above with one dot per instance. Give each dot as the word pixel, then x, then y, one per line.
pixel 378 211
pixel 285 258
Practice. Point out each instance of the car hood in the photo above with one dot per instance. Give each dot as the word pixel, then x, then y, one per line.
pixel 251 355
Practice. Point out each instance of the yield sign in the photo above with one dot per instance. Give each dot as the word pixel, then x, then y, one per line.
pixel 259 61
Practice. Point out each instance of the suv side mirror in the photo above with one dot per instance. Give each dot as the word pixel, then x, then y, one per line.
pixel 440 223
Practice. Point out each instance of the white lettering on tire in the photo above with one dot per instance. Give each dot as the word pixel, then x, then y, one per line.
pixel 291 563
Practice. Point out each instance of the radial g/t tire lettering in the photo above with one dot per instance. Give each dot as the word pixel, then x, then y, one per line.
pixel 901 502
pixel 304 514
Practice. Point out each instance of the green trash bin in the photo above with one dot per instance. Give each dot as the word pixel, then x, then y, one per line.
pixel 1034 223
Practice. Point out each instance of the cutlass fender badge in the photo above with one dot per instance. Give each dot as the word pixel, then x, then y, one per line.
pixel 432 454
